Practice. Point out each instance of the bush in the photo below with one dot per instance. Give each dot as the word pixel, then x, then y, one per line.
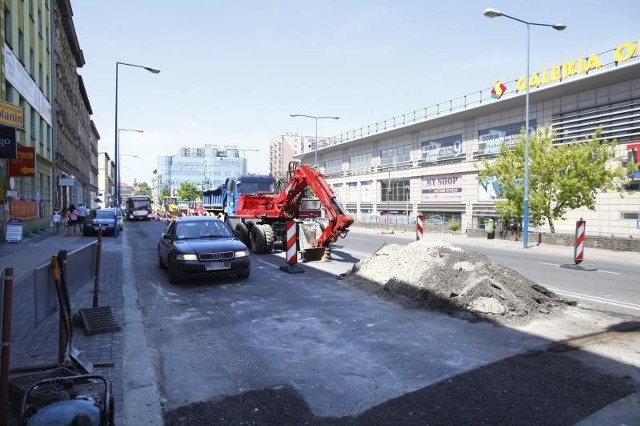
pixel 454 225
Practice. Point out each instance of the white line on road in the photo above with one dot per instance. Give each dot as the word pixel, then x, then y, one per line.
pixel 597 299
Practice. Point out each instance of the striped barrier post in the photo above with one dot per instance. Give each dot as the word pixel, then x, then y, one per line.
pixel 292 249
pixel 292 239
pixel 419 227
pixel 578 249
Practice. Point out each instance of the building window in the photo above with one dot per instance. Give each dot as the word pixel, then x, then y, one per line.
pixel 7 27
pixel 21 46
pixel 40 75
pixel 395 156
pixel 394 190
pixel 32 124
pixel 8 90
pixel 32 63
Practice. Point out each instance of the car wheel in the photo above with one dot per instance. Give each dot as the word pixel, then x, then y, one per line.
pixel 242 233
pixel 245 274
pixel 258 239
pixel 161 265
pixel 174 278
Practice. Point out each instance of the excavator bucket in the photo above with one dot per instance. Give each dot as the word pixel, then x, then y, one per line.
pixel 313 254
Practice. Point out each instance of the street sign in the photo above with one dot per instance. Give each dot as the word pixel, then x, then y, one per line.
pixel 25 163
pixel 8 145
pixel 11 115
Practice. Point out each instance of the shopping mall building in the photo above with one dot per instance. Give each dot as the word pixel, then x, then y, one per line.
pixel 427 161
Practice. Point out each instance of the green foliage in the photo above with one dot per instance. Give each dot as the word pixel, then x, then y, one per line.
pixel 188 192
pixel 143 189
pixel 165 193
pixel 561 178
pixel 454 225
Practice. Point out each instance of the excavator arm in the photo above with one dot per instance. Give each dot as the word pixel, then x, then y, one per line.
pixel 303 176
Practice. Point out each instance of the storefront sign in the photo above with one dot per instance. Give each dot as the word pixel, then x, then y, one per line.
pixel 622 53
pixel 25 162
pixel 66 181
pixel 24 209
pixel 442 149
pixel 441 188
pixel 8 145
pixel 11 115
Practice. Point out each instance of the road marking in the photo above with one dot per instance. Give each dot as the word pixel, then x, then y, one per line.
pixel 597 299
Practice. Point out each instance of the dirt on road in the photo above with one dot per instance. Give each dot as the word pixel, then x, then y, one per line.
pixel 437 275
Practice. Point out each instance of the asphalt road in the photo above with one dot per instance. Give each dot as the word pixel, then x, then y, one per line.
pixel 284 348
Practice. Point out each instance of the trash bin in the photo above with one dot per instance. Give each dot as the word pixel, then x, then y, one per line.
pixel 488 226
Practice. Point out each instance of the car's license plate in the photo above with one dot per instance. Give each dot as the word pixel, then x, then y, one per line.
pixel 215 266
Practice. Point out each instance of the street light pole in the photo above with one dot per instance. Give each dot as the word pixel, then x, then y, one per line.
pixel 494 13
pixel 116 191
pixel 316 118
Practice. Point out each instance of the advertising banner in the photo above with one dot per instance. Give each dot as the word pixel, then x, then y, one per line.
pixel 25 163
pixel 442 149
pixel 490 140
pixel 489 190
pixel 441 188
pixel 24 209
pixel 8 145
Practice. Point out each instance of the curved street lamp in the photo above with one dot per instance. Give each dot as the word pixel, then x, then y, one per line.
pixel 116 153
pixel 495 13
pixel 315 155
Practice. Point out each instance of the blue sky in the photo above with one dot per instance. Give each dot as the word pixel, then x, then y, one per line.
pixel 232 71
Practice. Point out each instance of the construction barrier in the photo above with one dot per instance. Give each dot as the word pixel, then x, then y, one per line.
pixel 292 239
pixel 292 249
pixel 578 248
pixel 419 227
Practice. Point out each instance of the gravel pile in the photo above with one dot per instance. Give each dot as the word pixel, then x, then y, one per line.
pixel 442 277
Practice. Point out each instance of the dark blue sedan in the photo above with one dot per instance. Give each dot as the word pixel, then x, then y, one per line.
pixel 201 246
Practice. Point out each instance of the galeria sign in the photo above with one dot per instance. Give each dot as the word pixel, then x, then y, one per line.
pixel 623 52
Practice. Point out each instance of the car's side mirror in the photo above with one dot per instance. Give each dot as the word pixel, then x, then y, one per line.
pixel 166 236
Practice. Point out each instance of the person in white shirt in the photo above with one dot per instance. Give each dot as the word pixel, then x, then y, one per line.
pixel 56 219
pixel 82 215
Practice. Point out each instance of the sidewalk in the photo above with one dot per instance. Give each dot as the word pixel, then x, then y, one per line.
pixel 33 347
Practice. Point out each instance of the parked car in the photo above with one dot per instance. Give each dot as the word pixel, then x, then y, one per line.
pixel 102 219
pixel 201 246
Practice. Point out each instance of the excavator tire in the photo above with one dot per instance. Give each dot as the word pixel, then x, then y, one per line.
pixel 242 233
pixel 268 236
pixel 258 239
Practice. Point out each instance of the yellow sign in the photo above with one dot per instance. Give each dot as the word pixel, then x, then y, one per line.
pixel 623 52
pixel 11 115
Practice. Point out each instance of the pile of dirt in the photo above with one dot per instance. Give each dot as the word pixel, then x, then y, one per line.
pixel 442 277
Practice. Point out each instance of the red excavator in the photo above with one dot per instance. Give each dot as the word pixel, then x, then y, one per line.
pixel 261 217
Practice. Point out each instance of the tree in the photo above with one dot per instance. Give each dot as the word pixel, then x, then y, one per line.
pixel 143 189
pixel 189 192
pixel 561 178
pixel 165 193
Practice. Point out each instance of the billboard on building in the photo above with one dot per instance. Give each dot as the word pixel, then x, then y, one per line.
pixel 490 140
pixel 446 187
pixel 442 149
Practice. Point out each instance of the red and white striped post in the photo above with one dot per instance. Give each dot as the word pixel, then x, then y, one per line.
pixel 292 249
pixel 419 227
pixel 292 239
pixel 578 248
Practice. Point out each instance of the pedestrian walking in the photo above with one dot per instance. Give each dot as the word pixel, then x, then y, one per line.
pixel 73 220
pixel 56 218
pixel 82 216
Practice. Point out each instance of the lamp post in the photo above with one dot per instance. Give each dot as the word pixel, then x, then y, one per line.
pixel 120 155
pixel 494 13
pixel 316 118
pixel 117 161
